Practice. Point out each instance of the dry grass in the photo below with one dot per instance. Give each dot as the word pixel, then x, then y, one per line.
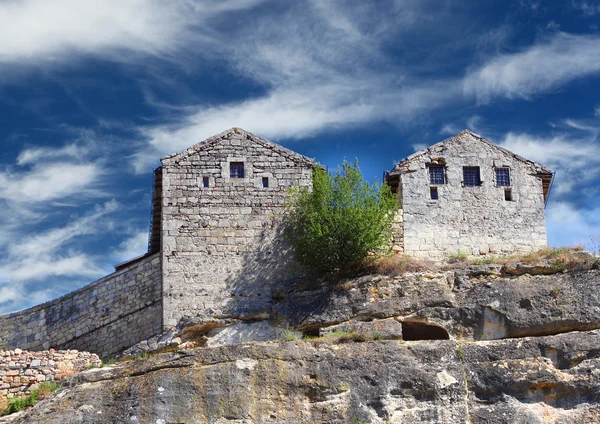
pixel 571 258
pixel 400 264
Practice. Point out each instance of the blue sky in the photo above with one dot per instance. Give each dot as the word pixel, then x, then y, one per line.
pixel 93 93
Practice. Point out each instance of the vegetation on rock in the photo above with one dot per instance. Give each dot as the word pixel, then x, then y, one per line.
pixel 341 220
pixel 43 390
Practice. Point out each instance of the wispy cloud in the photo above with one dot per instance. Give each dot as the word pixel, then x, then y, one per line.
pixel 543 66
pixel 586 7
pixel 47 255
pixel 133 246
pixel 37 31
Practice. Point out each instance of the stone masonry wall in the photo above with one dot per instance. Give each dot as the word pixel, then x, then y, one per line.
pixel 104 317
pixel 222 245
pixel 22 371
pixel 475 220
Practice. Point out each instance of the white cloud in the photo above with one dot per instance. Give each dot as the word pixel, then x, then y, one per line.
pixel 589 9
pixel 49 182
pixel 36 31
pixel 569 226
pixel 293 113
pixel 35 154
pixel 450 129
pixel 558 152
pixel 133 246
pixel 541 67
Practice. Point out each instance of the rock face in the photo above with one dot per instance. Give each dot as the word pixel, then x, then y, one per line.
pixel 530 380
pixel 472 345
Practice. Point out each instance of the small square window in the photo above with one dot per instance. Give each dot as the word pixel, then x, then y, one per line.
pixel 433 192
pixel 508 194
pixel 471 176
pixel 436 174
pixel 265 182
pixel 502 177
pixel 236 170
pixel 205 182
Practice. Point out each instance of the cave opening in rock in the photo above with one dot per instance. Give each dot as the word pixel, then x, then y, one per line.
pixel 423 331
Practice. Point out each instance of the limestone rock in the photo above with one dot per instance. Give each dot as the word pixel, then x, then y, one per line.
pixel 532 380
pixel 380 328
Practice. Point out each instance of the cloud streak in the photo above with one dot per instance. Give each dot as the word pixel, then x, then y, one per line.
pixel 544 66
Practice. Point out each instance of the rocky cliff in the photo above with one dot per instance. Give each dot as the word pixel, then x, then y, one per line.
pixel 481 344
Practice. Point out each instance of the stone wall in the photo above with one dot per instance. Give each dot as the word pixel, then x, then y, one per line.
pixel 222 245
pixel 22 371
pixel 104 317
pixel 475 220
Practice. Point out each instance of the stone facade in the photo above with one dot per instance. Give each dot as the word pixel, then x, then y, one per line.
pixel 22 371
pixel 222 247
pixel 103 317
pixel 448 215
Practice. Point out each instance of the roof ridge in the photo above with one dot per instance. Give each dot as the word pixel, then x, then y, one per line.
pixel 222 135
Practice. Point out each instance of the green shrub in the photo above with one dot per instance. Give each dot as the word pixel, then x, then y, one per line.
pixel 340 221
pixel 43 390
pixel 458 255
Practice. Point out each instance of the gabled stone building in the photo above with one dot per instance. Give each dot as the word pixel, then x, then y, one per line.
pixel 466 194
pixel 220 209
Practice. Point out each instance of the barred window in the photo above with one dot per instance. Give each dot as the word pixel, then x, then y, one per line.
pixel 205 182
pixel 471 176
pixel 436 175
pixel 502 177
pixel 265 182
pixel 236 170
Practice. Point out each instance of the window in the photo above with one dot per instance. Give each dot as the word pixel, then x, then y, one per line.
pixel 433 192
pixel 508 194
pixel 436 175
pixel 471 176
pixel 265 182
pixel 205 182
pixel 502 177
pixel 236 170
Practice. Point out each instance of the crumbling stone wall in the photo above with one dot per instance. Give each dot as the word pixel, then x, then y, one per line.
pixel 475 220
pixel 222 245
pixel 22 371
pixel 104 317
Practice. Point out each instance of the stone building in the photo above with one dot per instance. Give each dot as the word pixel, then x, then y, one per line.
pixel 216 251
pixel 221 204
pixel 466 194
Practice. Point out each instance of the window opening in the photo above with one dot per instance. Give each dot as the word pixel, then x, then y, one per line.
pixel 502 177
pixel 236 170
pixel 471 176
pixel 508 194
pixel 436 175
pixel 433 192
pixel 265 182
pixel 205 182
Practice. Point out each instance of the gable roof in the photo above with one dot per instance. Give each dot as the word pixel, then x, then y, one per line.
pixel 239 133
pixel 541 170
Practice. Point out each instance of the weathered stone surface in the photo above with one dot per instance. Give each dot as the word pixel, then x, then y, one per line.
pixel 381 328
pixel 484 305
pixel 103 317
pixel 533 380
pixel 222 246
pixel 243 333
pixel 20 371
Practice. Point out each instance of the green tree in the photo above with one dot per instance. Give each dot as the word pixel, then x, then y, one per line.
pixel 341 220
